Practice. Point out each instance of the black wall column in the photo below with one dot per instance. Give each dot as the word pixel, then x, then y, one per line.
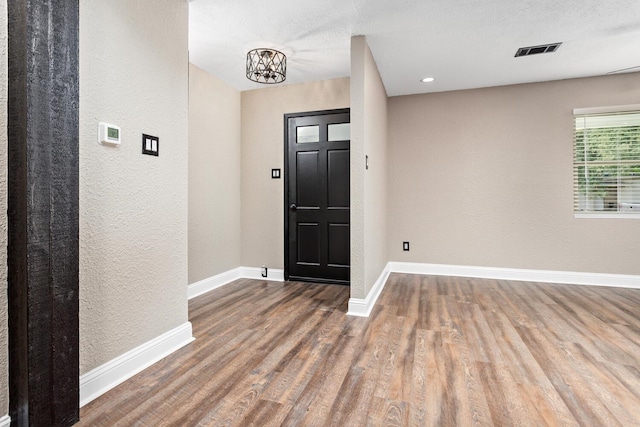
pixel 43 212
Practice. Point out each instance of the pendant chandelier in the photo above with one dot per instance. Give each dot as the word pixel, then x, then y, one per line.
pixel 267 66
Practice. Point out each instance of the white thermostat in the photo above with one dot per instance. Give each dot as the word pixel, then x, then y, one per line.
pixel 108 134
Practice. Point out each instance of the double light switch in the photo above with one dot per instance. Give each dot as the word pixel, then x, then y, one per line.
pixel 150 144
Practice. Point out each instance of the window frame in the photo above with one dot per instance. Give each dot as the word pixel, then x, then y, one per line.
pixel 593 111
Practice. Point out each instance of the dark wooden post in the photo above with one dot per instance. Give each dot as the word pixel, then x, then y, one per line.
pixel 43 212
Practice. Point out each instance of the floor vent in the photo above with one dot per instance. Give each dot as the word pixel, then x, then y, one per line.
pixel 534 50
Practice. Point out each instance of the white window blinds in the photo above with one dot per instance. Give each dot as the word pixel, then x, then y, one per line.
pixel 606 165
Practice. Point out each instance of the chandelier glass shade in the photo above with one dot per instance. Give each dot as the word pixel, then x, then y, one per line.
pixel 266 66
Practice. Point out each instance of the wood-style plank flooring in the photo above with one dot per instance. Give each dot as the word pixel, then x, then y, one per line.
pixel 436 351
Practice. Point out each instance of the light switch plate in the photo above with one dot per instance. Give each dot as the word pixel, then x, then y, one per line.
pixel 150 144
pixel 275 173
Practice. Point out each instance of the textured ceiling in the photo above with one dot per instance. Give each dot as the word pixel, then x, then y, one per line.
pixel 462 43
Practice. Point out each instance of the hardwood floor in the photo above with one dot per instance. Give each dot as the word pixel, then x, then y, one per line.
pixel 436 351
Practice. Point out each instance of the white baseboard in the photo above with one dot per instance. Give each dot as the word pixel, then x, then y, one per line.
pixel 211 283
pixel 545 276
pixel 109 375
pixel 274 274
pixel 362 307
pixel 5 421
pixel 214 282
pixel 116 371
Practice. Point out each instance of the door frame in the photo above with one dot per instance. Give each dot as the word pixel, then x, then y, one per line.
pixel 285 185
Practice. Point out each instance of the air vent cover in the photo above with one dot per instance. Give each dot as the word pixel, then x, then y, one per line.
pixel 534 50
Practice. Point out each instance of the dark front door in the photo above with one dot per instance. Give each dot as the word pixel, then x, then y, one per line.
pixel 317 196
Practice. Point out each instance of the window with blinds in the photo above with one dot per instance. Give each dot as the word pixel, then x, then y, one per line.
pixel 606 162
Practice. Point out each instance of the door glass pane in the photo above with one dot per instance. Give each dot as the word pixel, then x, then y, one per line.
pixel 306 134
pixel 340 132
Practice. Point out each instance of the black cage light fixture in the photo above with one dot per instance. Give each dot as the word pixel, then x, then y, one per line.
pixel 267 66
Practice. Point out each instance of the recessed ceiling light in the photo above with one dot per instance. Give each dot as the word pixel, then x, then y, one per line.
pixel 427 80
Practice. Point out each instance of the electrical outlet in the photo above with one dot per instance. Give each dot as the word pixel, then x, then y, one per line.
pixel 405 246
pixel 263 271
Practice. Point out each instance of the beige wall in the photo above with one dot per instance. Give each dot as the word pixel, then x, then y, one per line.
pixel 133 207
pixel 214 176
pixel 263 113
pixel 484 178
pixel 4 346
pixel 369 134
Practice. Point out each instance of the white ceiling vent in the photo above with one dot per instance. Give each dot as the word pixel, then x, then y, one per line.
pixel 534 50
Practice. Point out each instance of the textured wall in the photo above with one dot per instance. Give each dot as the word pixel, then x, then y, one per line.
pixel 358 48
pixel 368 186
pixel 133 207
pixel 375 178
pixel 214 176
pixel 4 365
pixel 263 113
pixel 484 178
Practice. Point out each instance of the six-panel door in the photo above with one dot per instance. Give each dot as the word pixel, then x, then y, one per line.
pixel 317 197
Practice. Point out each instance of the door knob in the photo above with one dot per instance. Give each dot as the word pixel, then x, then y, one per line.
pixel 293 207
